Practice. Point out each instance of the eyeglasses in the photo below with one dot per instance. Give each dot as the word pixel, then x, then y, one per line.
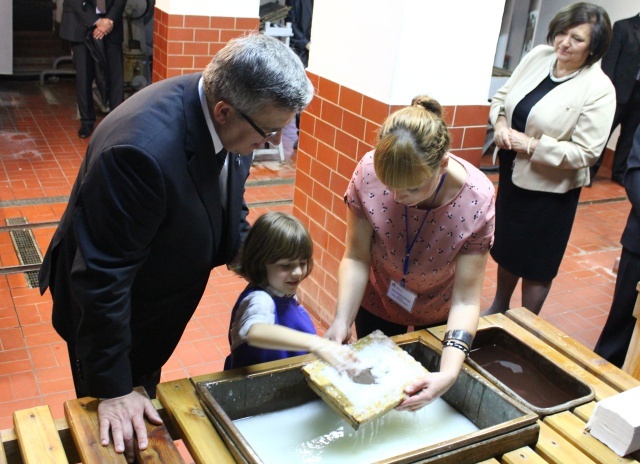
pixel 263 134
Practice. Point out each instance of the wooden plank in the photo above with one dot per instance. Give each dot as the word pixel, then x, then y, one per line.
pixel 489 461
pixel 584 412
pixel 571 428
pixel 632 360
pixel 200 437
pixel 556 449
pixel 37 435
pixel 602 390
pixel 82 417
pixel 577 352
pixel 161 448
pixel 12 448
pixel 3 457
pixel 522 455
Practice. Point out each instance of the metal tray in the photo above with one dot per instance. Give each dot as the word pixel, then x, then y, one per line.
pixel 545 387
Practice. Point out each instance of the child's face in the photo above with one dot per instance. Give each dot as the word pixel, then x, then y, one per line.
pixel 286 274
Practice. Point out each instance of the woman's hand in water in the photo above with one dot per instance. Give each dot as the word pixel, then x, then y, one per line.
pixel 425 390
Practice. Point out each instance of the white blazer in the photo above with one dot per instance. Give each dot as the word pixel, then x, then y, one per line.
pixel 572 123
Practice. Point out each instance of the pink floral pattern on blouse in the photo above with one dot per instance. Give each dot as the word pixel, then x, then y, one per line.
pixel 464 225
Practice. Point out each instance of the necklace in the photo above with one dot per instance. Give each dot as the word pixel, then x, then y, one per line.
pixel 561 79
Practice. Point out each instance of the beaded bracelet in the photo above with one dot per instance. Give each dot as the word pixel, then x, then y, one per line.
pixel 529 146
pixel 461 336
pixel 455 344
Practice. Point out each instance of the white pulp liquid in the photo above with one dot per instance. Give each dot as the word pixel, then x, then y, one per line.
pixel 314 433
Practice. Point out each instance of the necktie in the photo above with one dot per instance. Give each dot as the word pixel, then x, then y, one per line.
pixel 220 158
pixel 101 5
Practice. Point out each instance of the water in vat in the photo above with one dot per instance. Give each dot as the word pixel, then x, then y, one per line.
pixel 314 433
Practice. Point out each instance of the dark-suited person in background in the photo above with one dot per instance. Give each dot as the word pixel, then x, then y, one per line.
pixel 104 19
pixel 300 16
pixel 157 204
pixel 616 334
pixel 622 64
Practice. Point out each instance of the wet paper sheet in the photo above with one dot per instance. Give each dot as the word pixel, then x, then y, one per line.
pixel 392 369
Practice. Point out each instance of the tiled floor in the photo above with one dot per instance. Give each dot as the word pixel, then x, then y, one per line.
pixel 39 157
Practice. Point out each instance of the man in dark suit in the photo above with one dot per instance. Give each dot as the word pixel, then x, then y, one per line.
pixel 300 16
pixel 622 64
pixel 616 334
pixel 157 204
pixel 103 20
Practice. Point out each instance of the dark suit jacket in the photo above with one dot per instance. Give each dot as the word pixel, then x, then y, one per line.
pixel 631 234
pixel 300 16
pixel 144 226
pixel 80 15
pixel 622 60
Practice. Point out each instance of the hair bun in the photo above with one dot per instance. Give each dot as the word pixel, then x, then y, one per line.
pixel 428 104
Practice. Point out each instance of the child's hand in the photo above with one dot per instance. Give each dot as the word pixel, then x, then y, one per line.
pixel 341 357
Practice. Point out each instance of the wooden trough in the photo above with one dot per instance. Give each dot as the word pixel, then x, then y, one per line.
pixel 503 424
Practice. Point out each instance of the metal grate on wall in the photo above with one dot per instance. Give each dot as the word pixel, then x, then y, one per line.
pixel 26 248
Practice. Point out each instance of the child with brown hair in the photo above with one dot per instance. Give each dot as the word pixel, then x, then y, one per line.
pixel 267 322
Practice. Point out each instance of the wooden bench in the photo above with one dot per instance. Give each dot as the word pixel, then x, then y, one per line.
pixel 37 437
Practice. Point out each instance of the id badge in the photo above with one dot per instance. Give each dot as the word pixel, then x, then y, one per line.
pixel 402 296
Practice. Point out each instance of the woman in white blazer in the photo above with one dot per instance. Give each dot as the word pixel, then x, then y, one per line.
pixel 551 120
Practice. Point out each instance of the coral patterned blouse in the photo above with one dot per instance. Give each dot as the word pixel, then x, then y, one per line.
pixel 464 225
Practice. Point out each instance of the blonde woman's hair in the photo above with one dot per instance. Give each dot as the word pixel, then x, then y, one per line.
pixel 411 144
pixel 274 236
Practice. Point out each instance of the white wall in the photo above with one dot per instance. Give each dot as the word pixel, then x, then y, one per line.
pixel 392 51
pixel 221 8
pixel 6 37
pixel 616 9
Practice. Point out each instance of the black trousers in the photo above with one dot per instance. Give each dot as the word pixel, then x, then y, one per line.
pixel 628 116
pixel 616 334
pixel 85 74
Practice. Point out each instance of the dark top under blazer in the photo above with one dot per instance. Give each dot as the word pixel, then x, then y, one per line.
pixel 80 15
pixel 622 60
pixel 132 254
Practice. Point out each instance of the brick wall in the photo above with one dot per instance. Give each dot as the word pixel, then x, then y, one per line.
pixel 183 44
pixel 337 129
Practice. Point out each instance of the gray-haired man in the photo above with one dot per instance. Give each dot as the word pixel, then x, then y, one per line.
pixel 157 204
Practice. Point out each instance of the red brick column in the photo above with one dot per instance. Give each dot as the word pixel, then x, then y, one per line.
pixel 336 130
pixel 184 44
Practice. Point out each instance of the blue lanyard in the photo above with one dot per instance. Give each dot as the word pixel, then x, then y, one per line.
pixel 406 223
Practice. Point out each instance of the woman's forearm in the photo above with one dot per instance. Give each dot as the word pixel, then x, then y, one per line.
pixel 353 276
